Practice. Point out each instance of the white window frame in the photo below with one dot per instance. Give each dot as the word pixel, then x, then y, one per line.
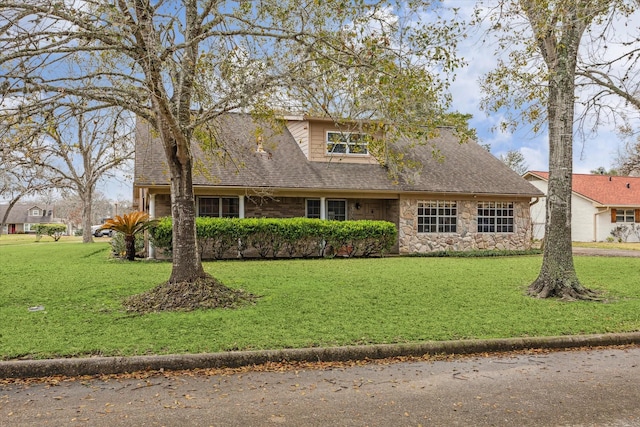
pixel 327 213
pixel 623 216
pixel 26 228
pixel 34 212
pixel 437 216
pixel 496 217
pixel 336 138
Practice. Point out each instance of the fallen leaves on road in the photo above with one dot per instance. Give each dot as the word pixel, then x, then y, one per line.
pixel 291 366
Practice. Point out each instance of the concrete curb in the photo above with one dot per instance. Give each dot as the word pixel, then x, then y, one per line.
pixel 234 359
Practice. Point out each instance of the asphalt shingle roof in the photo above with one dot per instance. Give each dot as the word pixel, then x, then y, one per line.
pixel 467 168
pixel 19 213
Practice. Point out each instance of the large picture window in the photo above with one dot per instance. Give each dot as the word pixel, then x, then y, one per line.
pixel 495 217
pixel 219 207
pixel 347 143
pixel 437 217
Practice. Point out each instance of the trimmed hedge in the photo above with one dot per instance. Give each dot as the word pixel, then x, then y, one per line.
pixel 52 230
pixel 283 237
pixel 476 253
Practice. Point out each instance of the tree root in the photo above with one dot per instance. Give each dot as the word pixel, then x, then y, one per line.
pixel 566 290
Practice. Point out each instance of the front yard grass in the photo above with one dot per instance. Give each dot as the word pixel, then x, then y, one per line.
pixel 303 303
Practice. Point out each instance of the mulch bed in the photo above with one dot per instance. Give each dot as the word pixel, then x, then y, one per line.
pixel 204 293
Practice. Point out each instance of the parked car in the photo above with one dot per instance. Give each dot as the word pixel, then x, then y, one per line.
pixel 97 231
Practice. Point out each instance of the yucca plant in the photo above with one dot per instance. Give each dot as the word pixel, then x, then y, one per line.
pixel 129 225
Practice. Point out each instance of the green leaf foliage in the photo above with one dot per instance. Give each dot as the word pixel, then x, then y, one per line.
pixel 52 230
pixel 220 238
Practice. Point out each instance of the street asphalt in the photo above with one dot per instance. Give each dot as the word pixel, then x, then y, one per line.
pixel 579 388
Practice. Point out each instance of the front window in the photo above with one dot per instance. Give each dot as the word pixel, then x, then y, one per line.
pixel 347 143
pixel 495 217
pixel 625 215
pixel 337 210
pixel 313 208
pixel 27 228
pixel 219 207
pixel 437 217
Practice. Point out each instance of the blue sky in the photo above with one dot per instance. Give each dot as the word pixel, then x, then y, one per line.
pixel 598 150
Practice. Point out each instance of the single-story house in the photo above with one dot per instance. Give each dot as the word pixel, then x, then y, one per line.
pixel 24 216
pixel 599 204
pixel 457 197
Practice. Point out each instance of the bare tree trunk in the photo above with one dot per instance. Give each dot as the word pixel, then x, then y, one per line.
pixel 187 266
pixel 557 276
pixel 86 198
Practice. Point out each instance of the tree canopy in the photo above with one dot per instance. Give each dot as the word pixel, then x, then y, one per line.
pixel 181 65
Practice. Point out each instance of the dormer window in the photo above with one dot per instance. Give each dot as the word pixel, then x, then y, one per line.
pixel 34 212
pixel 347 143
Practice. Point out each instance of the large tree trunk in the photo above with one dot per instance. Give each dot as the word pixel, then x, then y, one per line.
pixel 187 266
pixel 558 276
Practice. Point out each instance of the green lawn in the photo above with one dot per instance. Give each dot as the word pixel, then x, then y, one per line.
pixel 325 302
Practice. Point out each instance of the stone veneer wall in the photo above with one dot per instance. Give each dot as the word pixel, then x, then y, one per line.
pixel 467 237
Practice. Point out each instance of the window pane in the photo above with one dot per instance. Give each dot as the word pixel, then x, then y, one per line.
pixel 336 148
pixel 230 207
pixel 209 206
pixel 337 210
pixel 437 216
pixel 495 217
pixel 313 208
pixel 347 143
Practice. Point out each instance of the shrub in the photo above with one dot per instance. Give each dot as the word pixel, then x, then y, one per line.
pixel 622 232
pixel 215 235
pixel 292 237
pixel 52 230
pixel 119 247
pixel 129 225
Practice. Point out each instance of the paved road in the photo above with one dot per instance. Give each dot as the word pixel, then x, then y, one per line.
pixel 573 388
pixel 606 252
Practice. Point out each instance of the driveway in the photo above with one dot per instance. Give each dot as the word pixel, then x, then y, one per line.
pixel 605 252
pixel 569 388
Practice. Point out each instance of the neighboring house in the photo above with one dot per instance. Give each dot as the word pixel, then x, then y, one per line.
pixel 24 216
pixel 462 198
pixel 599 204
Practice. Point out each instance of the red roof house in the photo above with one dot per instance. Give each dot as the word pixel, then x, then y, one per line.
pixel 600 204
